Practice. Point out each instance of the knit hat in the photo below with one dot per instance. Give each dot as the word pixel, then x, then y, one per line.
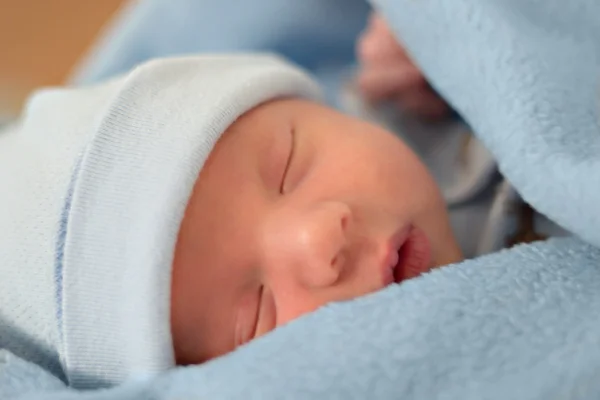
pixel 127 197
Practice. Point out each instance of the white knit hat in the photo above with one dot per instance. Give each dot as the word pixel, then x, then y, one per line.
pixel 127 199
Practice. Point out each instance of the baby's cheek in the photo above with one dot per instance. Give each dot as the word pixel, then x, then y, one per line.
pixel 304 303
pixel 420 186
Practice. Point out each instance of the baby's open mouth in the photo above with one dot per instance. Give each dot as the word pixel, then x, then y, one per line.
pixel 413 256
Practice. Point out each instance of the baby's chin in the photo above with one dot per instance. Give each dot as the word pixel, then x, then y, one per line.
pixel 436 225
pixel 448 252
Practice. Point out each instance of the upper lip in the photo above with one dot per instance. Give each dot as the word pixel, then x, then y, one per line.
pixel 391 256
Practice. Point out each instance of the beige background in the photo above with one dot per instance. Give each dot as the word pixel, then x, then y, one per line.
pixel 41 40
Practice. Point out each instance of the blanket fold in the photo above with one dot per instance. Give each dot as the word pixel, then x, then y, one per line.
pixel 526 76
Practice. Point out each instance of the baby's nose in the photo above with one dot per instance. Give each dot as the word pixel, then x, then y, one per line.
pixel 313 243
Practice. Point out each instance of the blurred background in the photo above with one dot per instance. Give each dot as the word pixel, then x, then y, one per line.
pixel 51 42
pixel 41 40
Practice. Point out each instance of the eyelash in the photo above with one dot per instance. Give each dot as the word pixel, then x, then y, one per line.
pixel 288 162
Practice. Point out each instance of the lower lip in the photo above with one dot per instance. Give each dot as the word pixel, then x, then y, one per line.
pixel 414 256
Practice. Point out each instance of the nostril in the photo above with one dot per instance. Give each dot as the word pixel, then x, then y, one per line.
pixel 337 261
pixel 344 223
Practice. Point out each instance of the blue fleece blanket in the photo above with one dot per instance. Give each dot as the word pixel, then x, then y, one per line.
pixel 522 323
pixel 526 76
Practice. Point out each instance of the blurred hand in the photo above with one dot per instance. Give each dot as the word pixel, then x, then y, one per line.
pixel 387 74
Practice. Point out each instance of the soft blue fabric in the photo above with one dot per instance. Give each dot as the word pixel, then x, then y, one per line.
pixel 525 74
pixel 519 324
pixel 19 377
pixel 319 35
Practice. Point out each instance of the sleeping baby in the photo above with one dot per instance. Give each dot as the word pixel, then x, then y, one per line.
pixel 173 214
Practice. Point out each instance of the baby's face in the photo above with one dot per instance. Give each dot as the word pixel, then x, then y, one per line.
pixel 298 206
